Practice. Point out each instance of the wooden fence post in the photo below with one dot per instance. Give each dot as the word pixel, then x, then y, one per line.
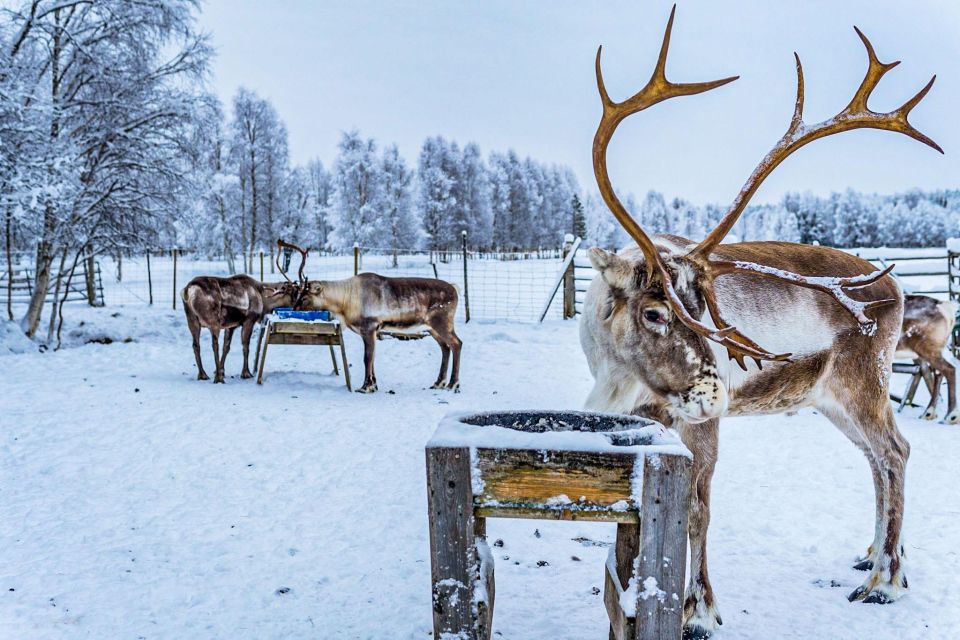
pixel 663 547
pixel 569 284
pixel 356 258
pixel 466 286
pixel 174 252
pixel 453 558
pixel 89 281
pixel 149 278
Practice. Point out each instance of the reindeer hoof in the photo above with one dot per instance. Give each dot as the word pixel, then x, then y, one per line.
pixel 864 565
pixel 877 597
pixel 455 387
pixel 857 594
pixel 952 418
pixel 439 385
pixel 929 414
pixel 246 374
pixel 202 376
pixel 218 380
pixel 696 632
pixel 367 388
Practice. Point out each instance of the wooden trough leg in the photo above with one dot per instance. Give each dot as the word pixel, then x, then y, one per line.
pixel 263 356
pixel 663 547
pixel 454 558
pixel 625 552
pixel 333 358
pixel 256 354
pixel 343 356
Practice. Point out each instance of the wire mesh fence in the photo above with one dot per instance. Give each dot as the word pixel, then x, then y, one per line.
pixel 492 285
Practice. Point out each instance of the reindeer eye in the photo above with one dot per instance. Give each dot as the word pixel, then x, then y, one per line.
pixel 652 315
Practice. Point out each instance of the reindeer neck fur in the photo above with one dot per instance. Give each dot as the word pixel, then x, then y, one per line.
pixel 342 297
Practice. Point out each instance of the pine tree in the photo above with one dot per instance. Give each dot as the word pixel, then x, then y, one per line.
pixel 578 225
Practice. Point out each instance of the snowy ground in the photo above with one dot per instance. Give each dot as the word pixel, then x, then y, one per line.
pixel 136 502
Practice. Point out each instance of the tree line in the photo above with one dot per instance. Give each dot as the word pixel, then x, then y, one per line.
pixel 848 219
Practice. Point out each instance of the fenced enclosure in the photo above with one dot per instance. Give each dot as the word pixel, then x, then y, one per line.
pixel 493 285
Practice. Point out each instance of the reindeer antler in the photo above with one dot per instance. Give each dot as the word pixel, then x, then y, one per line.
pixel 856 115
pixel 281 244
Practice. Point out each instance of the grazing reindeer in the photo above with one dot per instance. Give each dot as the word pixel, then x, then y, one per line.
pixel 227 303
pixel 651 354
pixel 927 326
pixel 369 303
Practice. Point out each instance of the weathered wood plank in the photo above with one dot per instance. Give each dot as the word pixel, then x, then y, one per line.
pixel 526 478
pixel 545 513
pixel 328 328
pixel 311 339
pixel 663 547
pixel 453 556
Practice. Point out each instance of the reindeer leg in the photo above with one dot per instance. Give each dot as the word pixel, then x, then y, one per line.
pixel 218 374
pixel 870 423
pixel 227 340
pixel 369 344
pixel 441 382
pixel 931 379
pixel 456 345
pixel 700 614
pixel 845 424
pixel 948 371
pixel 245 334
pixel 194 325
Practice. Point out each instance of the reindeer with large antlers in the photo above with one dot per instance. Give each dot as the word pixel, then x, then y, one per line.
pixel 652 353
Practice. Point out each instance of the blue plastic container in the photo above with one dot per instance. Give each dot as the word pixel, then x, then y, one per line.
pixel 288 313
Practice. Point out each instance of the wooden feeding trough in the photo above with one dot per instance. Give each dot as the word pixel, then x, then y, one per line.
pixel 559 466
pixel 287 326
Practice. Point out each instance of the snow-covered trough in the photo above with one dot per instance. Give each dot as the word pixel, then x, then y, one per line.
pixel 559 465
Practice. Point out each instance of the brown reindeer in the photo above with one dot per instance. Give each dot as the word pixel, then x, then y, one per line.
pixel 654 352
pixel 369 304
pixel 223 304
pixel 927 326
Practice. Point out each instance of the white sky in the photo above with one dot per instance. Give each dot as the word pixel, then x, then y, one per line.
pixel 519 74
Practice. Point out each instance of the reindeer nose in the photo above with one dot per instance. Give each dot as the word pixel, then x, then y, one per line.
pixel 705 400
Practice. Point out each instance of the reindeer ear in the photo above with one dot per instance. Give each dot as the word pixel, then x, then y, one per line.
pixel 617 272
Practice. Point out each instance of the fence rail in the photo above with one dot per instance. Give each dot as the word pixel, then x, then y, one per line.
pixel 492 285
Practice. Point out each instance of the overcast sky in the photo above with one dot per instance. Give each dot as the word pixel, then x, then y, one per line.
pixel 509 74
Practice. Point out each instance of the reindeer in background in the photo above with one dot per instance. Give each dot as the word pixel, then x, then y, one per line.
pixel 369 304
pixel 927 326
pixel 652 352
pixel 223 304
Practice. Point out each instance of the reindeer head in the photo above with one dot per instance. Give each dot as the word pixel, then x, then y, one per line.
pixel 657 299
pixel 313 296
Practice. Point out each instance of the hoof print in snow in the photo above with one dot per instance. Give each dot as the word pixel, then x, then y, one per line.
pixel 536 533
pixel 595 591
pixel 498 542
pixel 543 563
pixel 282 591
pixel 575 558
pixel 392 392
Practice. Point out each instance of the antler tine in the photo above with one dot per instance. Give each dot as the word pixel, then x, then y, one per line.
pixel 856 115
pixel 657 89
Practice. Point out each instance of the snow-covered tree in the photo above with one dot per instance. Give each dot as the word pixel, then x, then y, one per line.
pixel 357 182
pixel 398 227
